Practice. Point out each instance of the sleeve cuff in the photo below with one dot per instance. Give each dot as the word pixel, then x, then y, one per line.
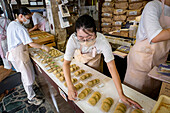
pixel 28 42
pixel 68 58
pixel 110 59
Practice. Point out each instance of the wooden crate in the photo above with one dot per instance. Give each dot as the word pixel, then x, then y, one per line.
pixel 42 38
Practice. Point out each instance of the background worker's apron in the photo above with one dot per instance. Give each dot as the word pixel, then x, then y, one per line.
pixel 4 46
pixel 22 63
pixel 142 58
pixel 92 59
pixel 44 26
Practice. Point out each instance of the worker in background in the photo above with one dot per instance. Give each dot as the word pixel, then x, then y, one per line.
pixel 3 40
pixel 87 45
pixel 39 22
pixel 18 39
pixel 151 48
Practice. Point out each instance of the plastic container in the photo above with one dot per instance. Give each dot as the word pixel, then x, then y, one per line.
pixel 162 102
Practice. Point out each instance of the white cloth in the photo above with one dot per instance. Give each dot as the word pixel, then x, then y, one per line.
pixel 2 22
pixel 149 25
pixel 16 35
pixel 37 18
pixel 102 46
pixel 7 64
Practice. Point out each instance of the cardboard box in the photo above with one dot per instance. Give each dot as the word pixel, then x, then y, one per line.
pixel 117 23
pixel 119 11
pixel 165 89
pixel 106 24
pixel 130 1
pixel 121 5
pixel 106 30
pixel 137 5
pixel 108 4
pixel 107 20
pixel 135 12
pixel 107 10
pixel 119 17
pixel 107 15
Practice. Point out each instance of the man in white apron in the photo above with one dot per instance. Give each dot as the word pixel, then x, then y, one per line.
pixel 151 48
pixel 87 45
pixel 39 22
pixel 3 41
pixel 18 39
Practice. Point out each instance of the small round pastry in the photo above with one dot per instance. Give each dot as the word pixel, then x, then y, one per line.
pixel 137 111
pixel 65 84
pixel 77 67
pixel 105 106
pixel 50 70
pixel 97 93
pixel 72 69
pixel 81 95
pixel 55 72
pixel 62 60
pixel 107 101
pixel 118 111
pixel 90 83
pixel 83 77
pixel 122 105
pixel 111 100
pixel 76 73
pixel 97 97
pixel 58 75
pixel 118 107
pixel 92 101
pixel 62 79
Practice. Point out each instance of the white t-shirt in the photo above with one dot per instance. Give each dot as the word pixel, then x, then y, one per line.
pixel 2 23
pixel 16 35
pixel 37 18
pixel 149 25
pixel 102 46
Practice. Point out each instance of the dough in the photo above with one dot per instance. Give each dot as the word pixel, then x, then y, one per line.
pixel 62 79
pixel 62 60
pixel 139 111
pixel 105 107
pixel 82 95
pixel 77 73
pixel 93 82
pixel 78 86
pixel 92 101
pixel 94 98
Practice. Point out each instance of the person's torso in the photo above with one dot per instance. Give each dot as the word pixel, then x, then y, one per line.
pixel 142 33
pixel 38 17
pixel 13 36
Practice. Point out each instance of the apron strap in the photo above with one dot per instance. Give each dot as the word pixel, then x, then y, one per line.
pixel 163 5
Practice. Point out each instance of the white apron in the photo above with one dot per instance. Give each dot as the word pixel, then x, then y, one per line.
pixel 4 46
pixel 142 58
pixel 92 59
pixel 44 26
pixel 23 64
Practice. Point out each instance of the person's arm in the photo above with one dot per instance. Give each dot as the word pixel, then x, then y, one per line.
pixel 116 79
pixel 35 45
pixel 34 28
pixel 162 36
pixel 72 93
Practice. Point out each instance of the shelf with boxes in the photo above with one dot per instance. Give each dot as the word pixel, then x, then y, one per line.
pixel 117 13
